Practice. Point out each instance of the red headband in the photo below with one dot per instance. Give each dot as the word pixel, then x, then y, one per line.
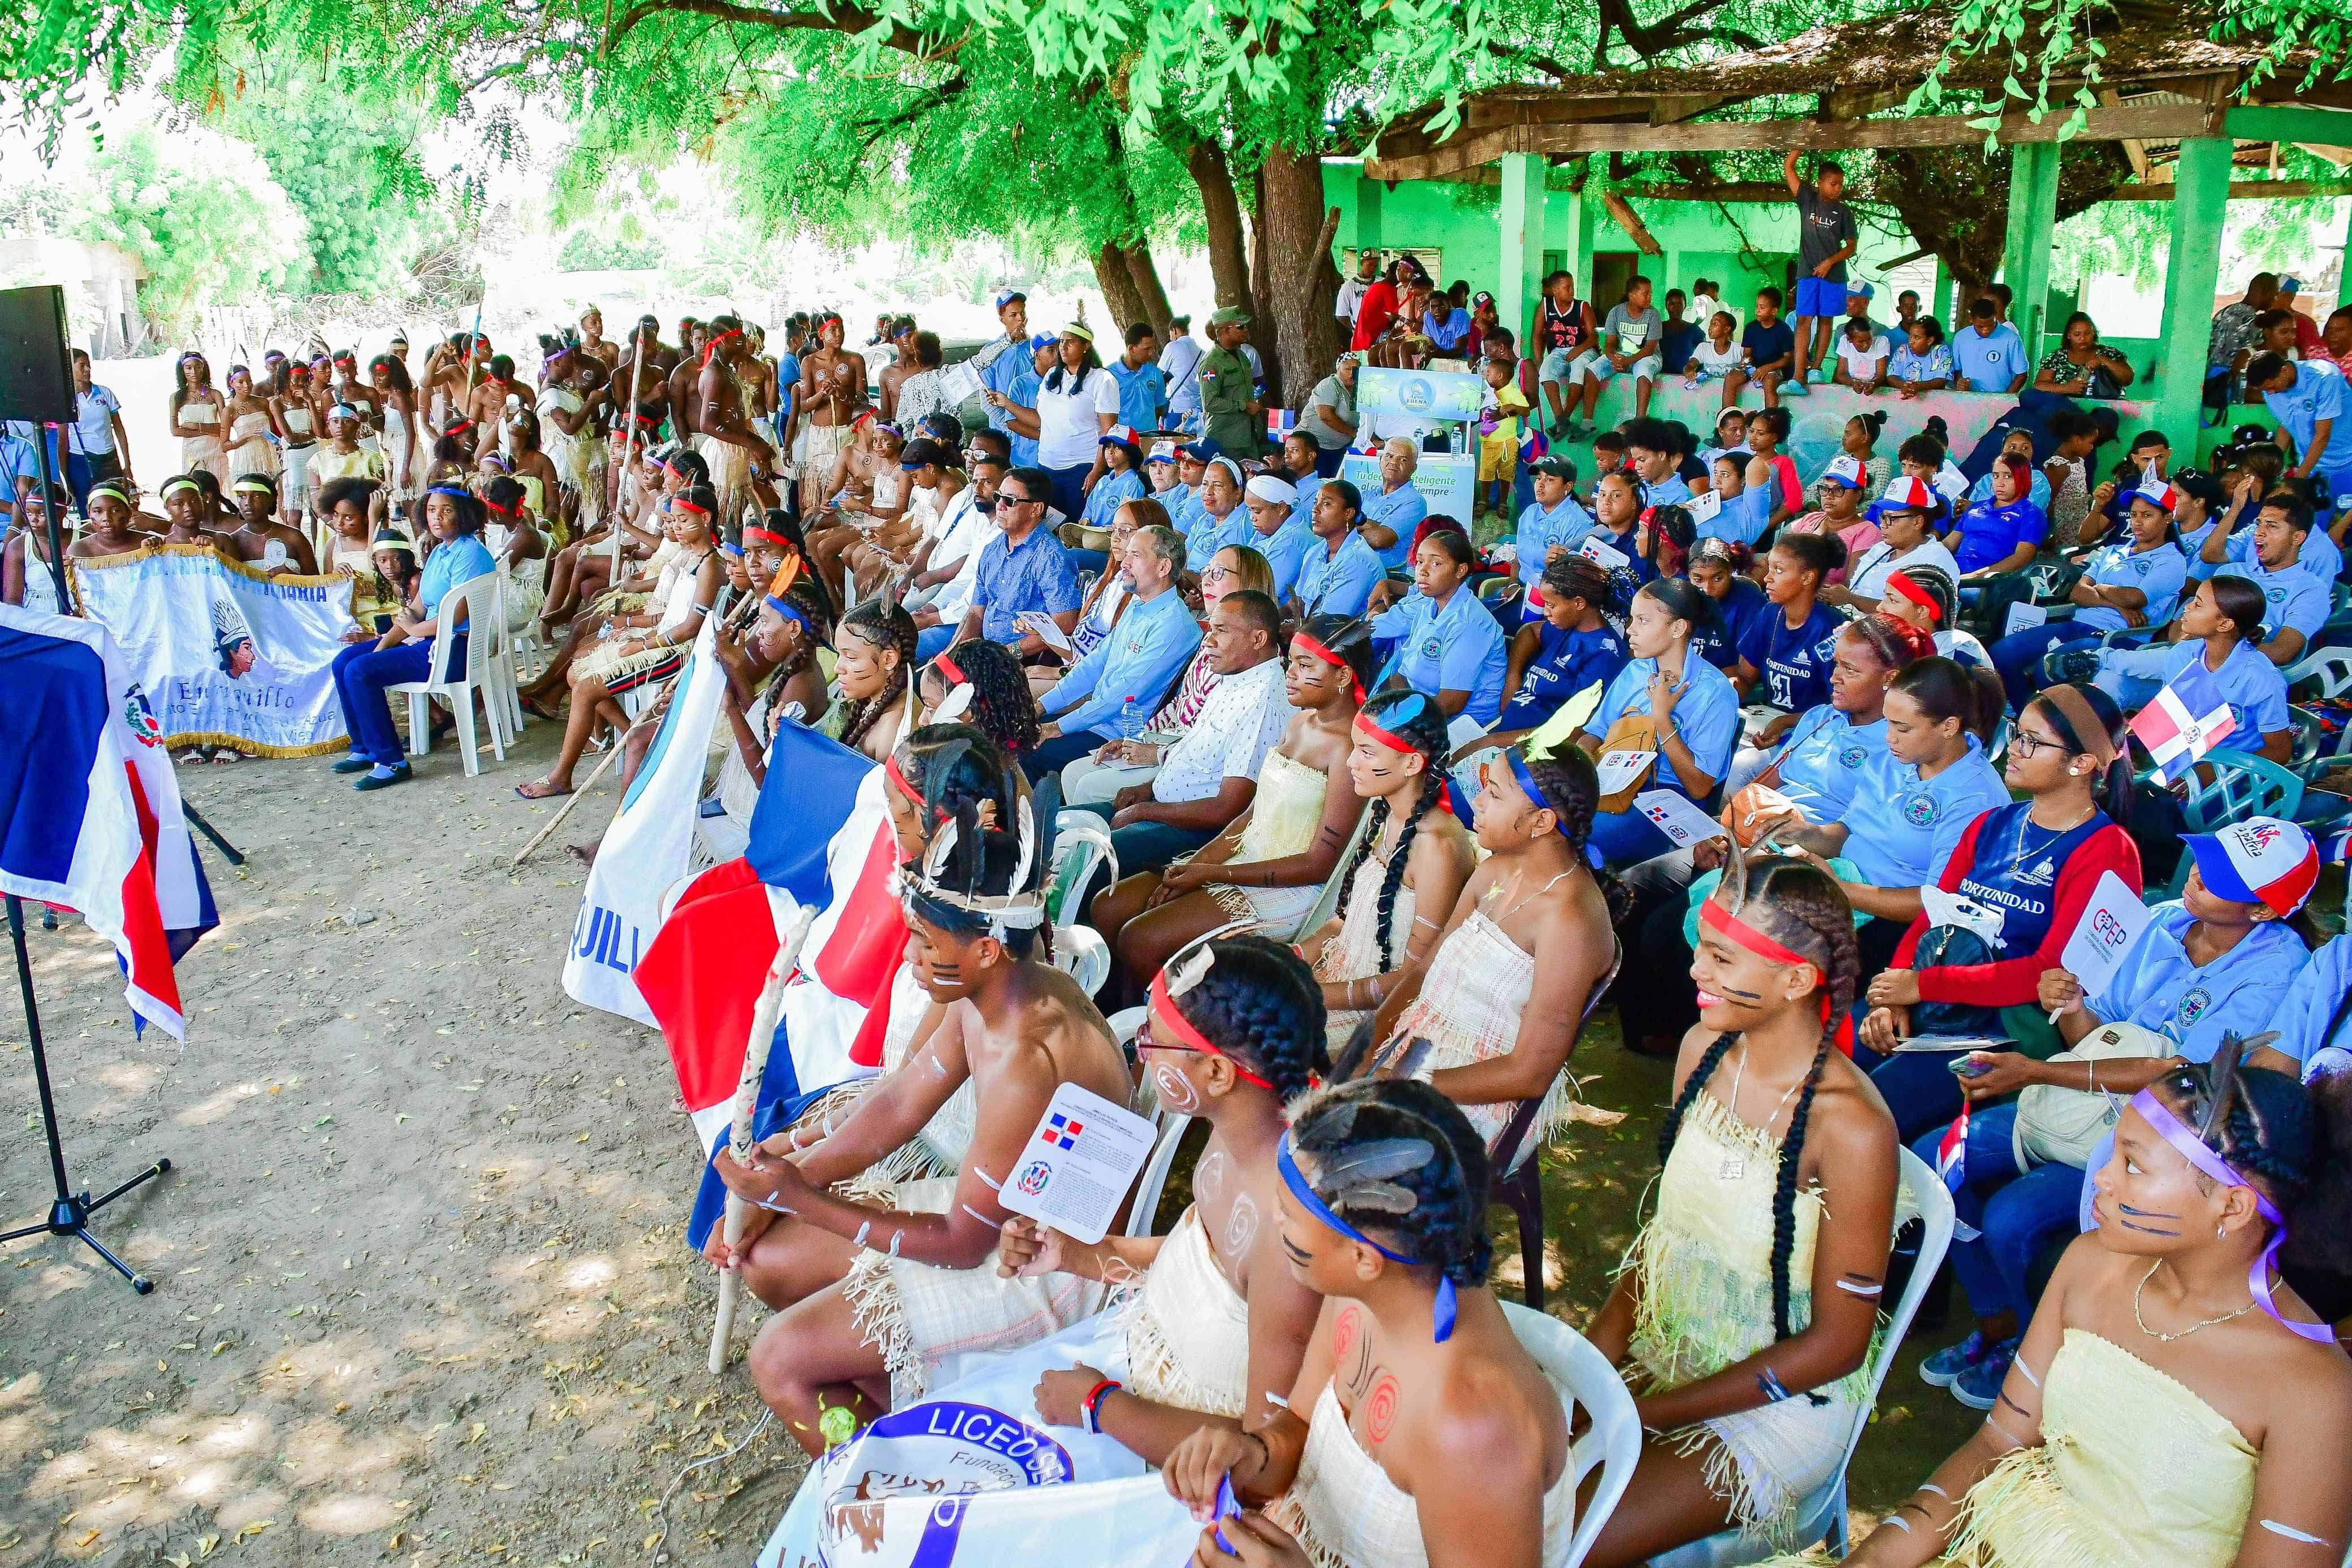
pixel 502 511
pixel 1302 640
pixel 1730 925
pixel 710 345
pixel 890 767
pixel 1902 585
pixel 951 670
pixel 680 504
pixel 765 535
pixel 1165 1015
pixel 1388 738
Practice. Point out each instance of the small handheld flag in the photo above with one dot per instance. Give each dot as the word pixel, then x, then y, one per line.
pixel 1952 1165
pixel 2187 719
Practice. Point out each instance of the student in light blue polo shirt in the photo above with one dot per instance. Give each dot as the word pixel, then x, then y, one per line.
pixel 1396 506
pixel 1122 481
pixel 1692 704
pixel 2270 556
pixel 2220 625
pixel 1143 384
pixel 1988 354
pixel 1657 455
pixel 1218 518
pixel 1017 359
pixel 1277 533
pixel 2132 584
pixel 2317 554
pixel 2316 1015
pixel 2242 992
pixel 1182 498
pixel 1739 513
pixel 1337 573
pixel 1448 646
pixel 1553 520
pixel 2308 400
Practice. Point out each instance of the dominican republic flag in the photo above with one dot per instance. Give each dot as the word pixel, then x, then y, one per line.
pixel 2187 719
pixel 1952 1165
pixel 648 847
pixel 820 837
pixel 1279 423
pixel 1533 442
pixel 89 809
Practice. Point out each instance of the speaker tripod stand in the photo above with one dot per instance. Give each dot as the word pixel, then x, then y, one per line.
pixel 69 1212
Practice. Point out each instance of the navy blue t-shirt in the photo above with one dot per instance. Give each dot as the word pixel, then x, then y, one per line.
pixel 1717 642
pixel 1765 344
pixel 1680 341
pixel 1565 663
pixel 1793 661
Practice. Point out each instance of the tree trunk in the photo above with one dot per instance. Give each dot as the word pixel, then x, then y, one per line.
pixel 1302 284
pixel 1264 310
pixel 1145 272
pixel 1955 201
pixel 1121 299
pixel 1221 207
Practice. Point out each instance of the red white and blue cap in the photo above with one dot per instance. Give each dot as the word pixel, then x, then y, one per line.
pixel 1904 494
pixel 2262 860
pixel 1846 472
pixel 1120 435
pixel 2158 494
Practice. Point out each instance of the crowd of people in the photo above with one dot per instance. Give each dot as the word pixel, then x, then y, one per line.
pixel 1095 597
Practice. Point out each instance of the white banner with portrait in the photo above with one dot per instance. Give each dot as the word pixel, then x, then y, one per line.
pixel 227 655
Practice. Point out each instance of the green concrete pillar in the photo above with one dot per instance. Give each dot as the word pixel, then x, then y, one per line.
pixel 1519 278
pixel 2192 270
pixel 1588 219
pixel 1368 212
pixel 2344 268
pixel 2032 224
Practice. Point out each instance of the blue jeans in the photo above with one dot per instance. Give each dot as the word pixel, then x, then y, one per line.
pixel 1070 489
pixel 1051 755
pixel 1920 1090
pixel 2014 1212
pixel 1141 846
pixel 362 672
pixel 2018 656
pixel 1094 561
pixel 931 642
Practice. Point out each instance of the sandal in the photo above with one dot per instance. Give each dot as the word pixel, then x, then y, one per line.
pixel 225 755
pixel 523 792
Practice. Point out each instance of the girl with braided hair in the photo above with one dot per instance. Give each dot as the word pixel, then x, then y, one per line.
pixel 1414 858
pixel 1000 702
pixel 1748 1305
pixel 875 1292
pixel 1419 1427
pixel 2172 1402
pixel 1269 866
pixel 1527 946
pixel 875 668
pixel 1232 1031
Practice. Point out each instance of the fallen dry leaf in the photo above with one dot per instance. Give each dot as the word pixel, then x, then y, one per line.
pixel 249 1531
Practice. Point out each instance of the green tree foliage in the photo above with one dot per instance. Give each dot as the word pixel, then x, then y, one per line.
pixel 590 249
pixel 200 212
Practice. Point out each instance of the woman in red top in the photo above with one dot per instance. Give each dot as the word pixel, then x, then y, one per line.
pixel 1381 304
pixel 2035 864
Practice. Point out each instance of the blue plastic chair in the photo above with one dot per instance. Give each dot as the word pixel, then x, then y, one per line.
pixel 2241 785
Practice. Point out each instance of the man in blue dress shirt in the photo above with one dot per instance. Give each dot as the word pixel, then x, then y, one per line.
pixel 1012 361
pixel 1023 570
pixel 1394 510
pixel 1109 695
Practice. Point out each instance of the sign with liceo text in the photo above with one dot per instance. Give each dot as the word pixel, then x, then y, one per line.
pixel 1429 395
pixel 227 653
pixel 1447 481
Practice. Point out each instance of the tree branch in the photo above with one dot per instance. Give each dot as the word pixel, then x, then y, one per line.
pixel 846 19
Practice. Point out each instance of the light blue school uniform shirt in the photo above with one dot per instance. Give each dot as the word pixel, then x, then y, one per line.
pixel 1023 391
pixel 2160 573
pixel 1338 583
pixel 2312 1002
pixel 1142 393
pixel 1908 365
pixel 2038 494
pixel 2318 393
pixel 1286 552
pixel 1207 535
pixel 1822 761
pixel 2297 599
pixel 1402 510
pixel 1989 363
pixel 1111 492
pixel 1454 646
pixel 1003 374
pixel 1565 524
pixel 1901 827
pixel 460 560
pixel 2255 690
pixel 2320 556
pixel 1707 714
pixel 1742 519
pixel 1303 509
pixel 2241 992
pixel 1151 643
pixel 1669 491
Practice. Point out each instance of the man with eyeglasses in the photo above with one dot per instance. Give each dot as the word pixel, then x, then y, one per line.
pixel 1109 695
pixel 1024 570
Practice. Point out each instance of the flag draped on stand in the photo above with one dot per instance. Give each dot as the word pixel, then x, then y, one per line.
pixel 2187 719
pixel 820 837
pixel 647 847
pixel 89 809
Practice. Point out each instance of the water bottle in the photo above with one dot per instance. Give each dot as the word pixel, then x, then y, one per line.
pixel 1126 728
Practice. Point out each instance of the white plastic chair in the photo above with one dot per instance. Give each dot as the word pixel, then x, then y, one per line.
pixel 1081 843
pixel 1080 952
pixel 2330 670
pixel 1823 1515
pixel 505 665
pixel 478 597
pixel 1154 1179
pixel 1613 1441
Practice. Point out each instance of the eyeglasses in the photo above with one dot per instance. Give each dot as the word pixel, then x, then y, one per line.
pixel 1220 572
pixel 2025 743
pixel 1147 1039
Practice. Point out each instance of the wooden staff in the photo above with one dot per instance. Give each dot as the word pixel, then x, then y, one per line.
pixel 747 1101
pixel 619 742
pixel 628 443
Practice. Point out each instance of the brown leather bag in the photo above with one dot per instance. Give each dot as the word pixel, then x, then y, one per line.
pixel 1634 732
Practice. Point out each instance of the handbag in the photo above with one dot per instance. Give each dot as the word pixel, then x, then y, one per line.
pixel 2062 1126
pixel 1633 732
pixel 1952 945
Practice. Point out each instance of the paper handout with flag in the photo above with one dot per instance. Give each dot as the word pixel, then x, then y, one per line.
pixel 89 809
pixel 821 838
pixel 2187 719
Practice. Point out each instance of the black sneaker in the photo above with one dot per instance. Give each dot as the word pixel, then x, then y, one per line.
pixel 2061 666
pixel 352 764
pixel 400 775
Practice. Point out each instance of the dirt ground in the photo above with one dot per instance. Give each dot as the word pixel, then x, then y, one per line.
pixel 422 1293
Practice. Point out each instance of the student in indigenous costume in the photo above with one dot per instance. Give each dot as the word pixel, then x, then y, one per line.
pixel 514 537
pixel 1526 946
pixel 876 669
pixel 1750 1301
pixel 1419 1424
pixel 873 1297
pixel 1414 856
pixel 1268 867
pixel 2173 1401
pixel 1215 1319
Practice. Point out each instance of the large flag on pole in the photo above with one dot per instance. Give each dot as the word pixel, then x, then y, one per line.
pixel 647 847
pixel 2187 719
pixel 90 809
pixel 820 837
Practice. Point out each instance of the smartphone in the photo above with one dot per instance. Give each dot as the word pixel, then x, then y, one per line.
pixel 1969 1067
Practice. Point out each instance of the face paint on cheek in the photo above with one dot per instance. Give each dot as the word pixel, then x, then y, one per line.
pixel 2129 1218
pixel 1297 1254
pixel 1175 1093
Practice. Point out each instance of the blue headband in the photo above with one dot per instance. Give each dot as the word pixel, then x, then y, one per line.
pixel 791 611
pixel 1442 1316
pixel 1526 778
pixel 452 491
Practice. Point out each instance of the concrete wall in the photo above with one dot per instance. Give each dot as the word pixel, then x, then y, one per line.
pixel 101 284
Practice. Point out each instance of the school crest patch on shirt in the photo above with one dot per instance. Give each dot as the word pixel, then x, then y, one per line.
pixel 1919 810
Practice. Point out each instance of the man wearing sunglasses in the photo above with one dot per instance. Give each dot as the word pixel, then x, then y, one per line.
pixel 1024 569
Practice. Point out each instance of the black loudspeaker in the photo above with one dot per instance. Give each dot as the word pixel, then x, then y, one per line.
pixel 36 369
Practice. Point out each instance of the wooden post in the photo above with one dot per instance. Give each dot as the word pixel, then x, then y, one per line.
pixel 2191 272
pixel 1519 278
pixel 2025 254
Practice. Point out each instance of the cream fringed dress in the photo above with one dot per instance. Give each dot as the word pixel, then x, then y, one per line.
pixel 1284 815
pixel 1347 1513
pixel 1354 952
pixel 1706 1264
pixel 2133 1471
pixel 1188 1328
